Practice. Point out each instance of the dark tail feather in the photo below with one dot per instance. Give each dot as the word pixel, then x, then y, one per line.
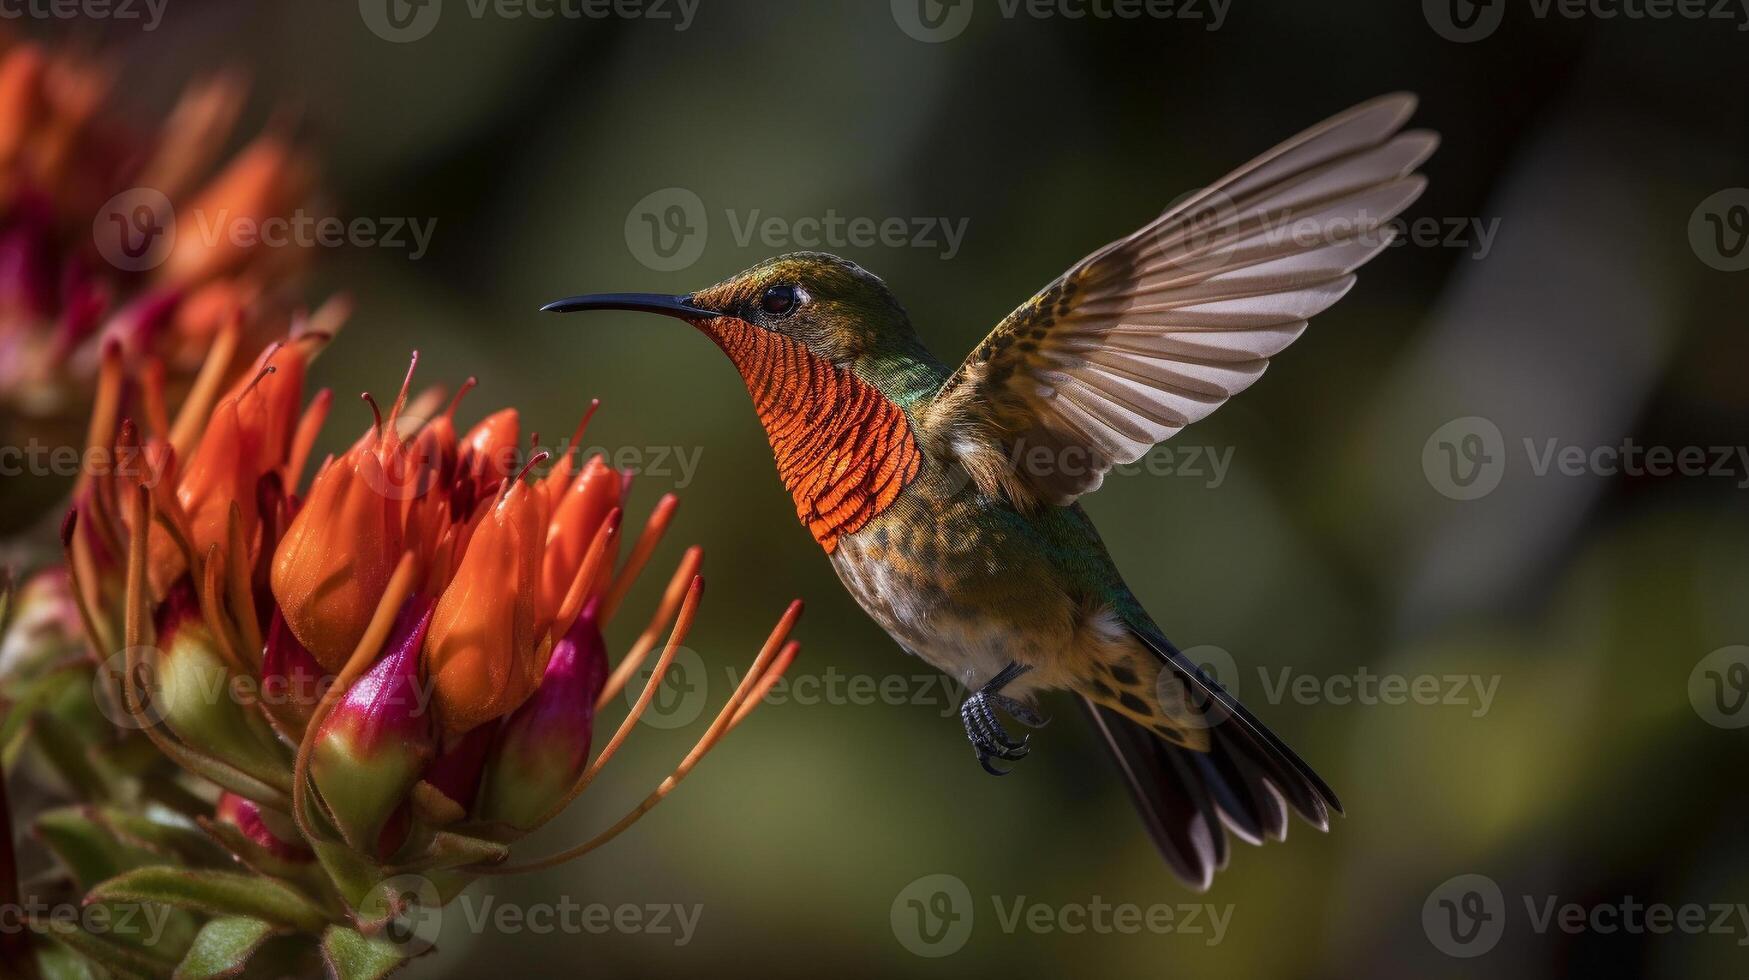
pixel 1246 781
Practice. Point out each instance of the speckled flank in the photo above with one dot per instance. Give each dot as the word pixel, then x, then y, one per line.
pixel 970 586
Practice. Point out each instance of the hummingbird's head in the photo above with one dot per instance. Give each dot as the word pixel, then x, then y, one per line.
pixel 840 312
pixel 830 359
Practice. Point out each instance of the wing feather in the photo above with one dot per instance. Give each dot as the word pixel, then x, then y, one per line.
pixel 1156 330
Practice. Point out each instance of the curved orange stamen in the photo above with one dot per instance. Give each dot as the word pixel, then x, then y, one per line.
pixel 304 440
pixel 192 418
pixel 104 409
pixel 646 641
pixel 654 528
pixel 593 567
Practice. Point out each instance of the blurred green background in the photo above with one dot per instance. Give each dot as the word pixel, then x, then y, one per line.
pixel 1557 294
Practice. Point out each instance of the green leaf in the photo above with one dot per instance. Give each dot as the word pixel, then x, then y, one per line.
pixel 352 874
pixel 446 849
pixel 65 753
pixel 122 961
pixel 164 834
pixel 24 697
pixel 306 874
pixel 57 962
pixel 350 955
pixel 223 948
pixel 89 849
pixel 215 893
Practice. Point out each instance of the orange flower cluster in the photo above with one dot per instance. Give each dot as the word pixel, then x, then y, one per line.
pixel 89 255
pixel 422 623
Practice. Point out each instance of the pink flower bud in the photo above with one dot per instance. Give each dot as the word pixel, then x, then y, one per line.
pixel 275 832
pixel 289 675
pixel 544 746
pixel 377 741
pixel 456 773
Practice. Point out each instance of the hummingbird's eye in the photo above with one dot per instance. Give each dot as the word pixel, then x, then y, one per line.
pixel 778 301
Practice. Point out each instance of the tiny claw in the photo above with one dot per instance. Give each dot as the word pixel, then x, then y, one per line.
pixel 986 733
pixel 1020 711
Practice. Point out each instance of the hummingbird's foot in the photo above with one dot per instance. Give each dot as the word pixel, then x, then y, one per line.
pixel 1020 711
pixel 988 737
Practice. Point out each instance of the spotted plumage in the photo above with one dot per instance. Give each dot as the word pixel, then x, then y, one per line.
pixel 946 499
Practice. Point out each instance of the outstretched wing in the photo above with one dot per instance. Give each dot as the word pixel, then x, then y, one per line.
pixel 1156 330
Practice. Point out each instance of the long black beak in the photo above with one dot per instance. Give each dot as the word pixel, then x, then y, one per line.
pixel 675 306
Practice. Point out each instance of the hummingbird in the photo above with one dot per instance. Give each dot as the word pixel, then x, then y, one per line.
pixel 946 498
